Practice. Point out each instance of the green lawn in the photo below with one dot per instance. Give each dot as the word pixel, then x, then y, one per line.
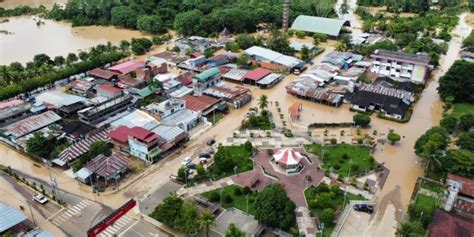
pixel 335 202
pixel 238 201
pixel 228 157
pixel 259 122
pixel 462 108
pixel 423 208
pixel 215 118
pixel 432 186
pixel 337 157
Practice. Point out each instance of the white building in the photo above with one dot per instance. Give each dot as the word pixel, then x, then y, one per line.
pixel 400 65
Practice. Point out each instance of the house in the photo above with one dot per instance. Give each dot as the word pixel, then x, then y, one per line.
pixel 186 79
pixel 137 118
pixel 171 86
pixel 66 104
pixel 193 63
pixel 102 110
pixel 235 96
pixel 173 135
pixel 108 92
pixel 137 141
pixel 172 59
pixel 295 111
pixel 70 154
pixel 81 87
pixel 217 60
pixel 391 102
pixel 13 110
pixel 269 80
pixel 104 76
pixel 157 66
pixel 400 65
pixel 127 67
pixel 11 218
pixel 185 119
pixel 298 47
pixel 166 108
pixel 342 59
pixel 11 133
pixel 77 130
pixel 309 89
pixel 108 168
pixel 235 75
pixel 448 224
pixel 194 43
pixel 206 79
pixel 147 91
pixel 461 195
pixel 255 75
pixel 321 25
pixel 201 104
pixel 125 81
pixel 269 56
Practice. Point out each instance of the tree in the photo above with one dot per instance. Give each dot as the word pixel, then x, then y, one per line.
pixel 189 219
pixel 466 121
pixel 182 173
pixel 245 41
pixel 124 45
pixel 327 216
pixel 152 24
pixel 274 209
pixel 83 56
pixel 124 16
pixel 188 23
pixel 243 61
pixel 59 61
pixel 207 220
pixel 208 53
pixel 169 211
pixel 461 162
pixel 37 145
pixel 100 147
pixel 233 231
pixel 421 141
pixel 362 120
pixel 466 141
pixel 200 170
pixel 410 228
pixel 304 53
pixel 278 41
pixel 450 123
pixel 432 154
pixel 141 45
pixel 248 146
pixel 41 59
pixel 71 58
pixel 263 102
pixel 458 82
pixel 393 137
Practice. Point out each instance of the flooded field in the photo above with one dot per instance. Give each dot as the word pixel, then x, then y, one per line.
pixel 31 3
pixel 52 38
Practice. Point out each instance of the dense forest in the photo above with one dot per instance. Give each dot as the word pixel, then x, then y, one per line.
pixel 416 6
pixel 187 17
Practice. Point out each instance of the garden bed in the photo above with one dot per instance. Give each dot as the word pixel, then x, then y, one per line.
pixel 233 196
pixel 228 157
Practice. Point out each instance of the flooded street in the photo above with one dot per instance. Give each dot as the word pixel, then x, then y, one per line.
pixel 32 3
pixel 52 38
pixel 350 16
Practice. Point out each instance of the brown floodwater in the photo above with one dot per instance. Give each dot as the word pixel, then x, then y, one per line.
pixel 53 38
pixel 32 3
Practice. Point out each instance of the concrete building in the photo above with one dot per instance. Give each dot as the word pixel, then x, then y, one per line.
pixel 266 55
pixel 235 96
pixel 460 195
pixel 108 92
pixel 101 111
pixel 137 141
pixel 401 66
pixel 206 79
pixel 194 43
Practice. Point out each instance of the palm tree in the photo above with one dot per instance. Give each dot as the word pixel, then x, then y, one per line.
pixel 263 102
pixel 431 157
pixel 5 74
pixel 207 220
pixel 233 231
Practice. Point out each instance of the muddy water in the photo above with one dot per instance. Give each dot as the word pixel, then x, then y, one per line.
pixel 31 3
pixel 350 16
pixel 53 38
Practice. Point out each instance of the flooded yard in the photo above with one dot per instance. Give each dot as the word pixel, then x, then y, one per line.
pixel 52 38
pixel 32 3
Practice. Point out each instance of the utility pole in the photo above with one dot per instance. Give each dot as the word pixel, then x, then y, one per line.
pixel 31 212
pixel 54 184
pixel 286 12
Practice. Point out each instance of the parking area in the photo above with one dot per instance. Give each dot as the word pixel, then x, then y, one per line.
pixel 148 204
pixel 356 224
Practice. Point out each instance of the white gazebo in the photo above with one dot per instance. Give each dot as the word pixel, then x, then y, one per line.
pixel 288 159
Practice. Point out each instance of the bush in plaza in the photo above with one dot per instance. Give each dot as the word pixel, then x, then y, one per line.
pixel 274 208
pixel 361 120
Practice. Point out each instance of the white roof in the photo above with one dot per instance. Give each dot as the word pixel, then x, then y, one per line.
pixel 298 46
pixel 235 74
pixel 273 56
pixel 83 173
pixel 158 61
pixel 269 79
pixel 59 99
pixel 287 156
pixel 165 77
pixel 183 116
pixel 136 118
pixel 181 92
pixel 169 133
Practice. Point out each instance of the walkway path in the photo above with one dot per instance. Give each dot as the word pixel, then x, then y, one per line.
pixel 205 187
pixel 305 222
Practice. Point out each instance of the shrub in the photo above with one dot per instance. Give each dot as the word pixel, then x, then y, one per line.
pixel 228 198
pixel 327 216
pixel 361 120
pixel 237 192
pixel 214 197
pixel 247 190
pixel 333 141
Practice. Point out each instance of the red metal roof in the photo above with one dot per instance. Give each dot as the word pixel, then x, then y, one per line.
pixel 257 74
pixel 445 224
pixel 127 67
pixel 466 183
pixel 196 54
pixel 121 134
pixel 199 103
pixel 108 88
pixel 7 104
pixel 186 78
pixel 295 109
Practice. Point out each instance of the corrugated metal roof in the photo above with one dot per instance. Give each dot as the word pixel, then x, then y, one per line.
pixel 59 99
pixel 137 118
pixel 208 73
pixel 169 133
pixel 10 217
pixel 273 56
pixel 235 74
pixel 31 124
pixel 315 24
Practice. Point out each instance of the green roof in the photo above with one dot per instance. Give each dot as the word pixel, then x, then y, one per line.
pixel 208 73
pixel 315 24
pixel 147 91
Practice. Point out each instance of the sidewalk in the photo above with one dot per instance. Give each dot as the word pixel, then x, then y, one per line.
pixel 205 187
pixel 306 224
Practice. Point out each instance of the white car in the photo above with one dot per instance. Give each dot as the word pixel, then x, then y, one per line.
pixel 250 113
pixel 186 161
pixel 40 198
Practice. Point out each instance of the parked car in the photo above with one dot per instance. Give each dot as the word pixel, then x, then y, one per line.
pixel 186 161
pixel 202 160
pixel 191 166
pixel 364 208
pixel 211 142
pixel 250 113
pixel 204 155
pixel 40 198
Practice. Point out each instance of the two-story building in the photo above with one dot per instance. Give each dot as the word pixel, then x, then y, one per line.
pixel 401 66
pixel 206 79
pixel 137 141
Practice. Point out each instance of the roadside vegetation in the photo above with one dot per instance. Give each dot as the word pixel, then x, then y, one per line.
pixel 326 202
pixel 339 158
pixel 234 196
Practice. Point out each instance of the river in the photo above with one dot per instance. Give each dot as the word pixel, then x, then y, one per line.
pixel 32 3
pixel 53 38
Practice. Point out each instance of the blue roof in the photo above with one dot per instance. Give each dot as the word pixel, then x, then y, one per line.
pixel 10 217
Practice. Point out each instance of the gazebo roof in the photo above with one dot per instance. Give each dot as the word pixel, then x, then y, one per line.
pixel 287 156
